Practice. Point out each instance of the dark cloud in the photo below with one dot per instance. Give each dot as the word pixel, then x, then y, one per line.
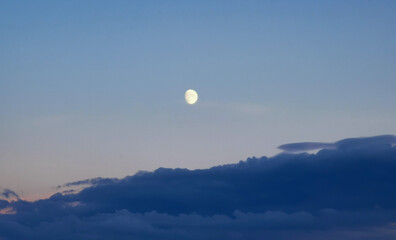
pixel 3 204
pixel 8 193
pixel 91 181
pixel 349 143
pixel 383 141
pixel 306 146
pixel 348 192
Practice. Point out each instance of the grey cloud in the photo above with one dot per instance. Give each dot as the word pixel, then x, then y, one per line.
pixel 384 140
pixel 91 181
pixel 306 146
pixel 8 193
pixel 123 224
pixel 346 192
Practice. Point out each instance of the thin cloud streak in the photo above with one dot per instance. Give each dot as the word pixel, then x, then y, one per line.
pixel 383 140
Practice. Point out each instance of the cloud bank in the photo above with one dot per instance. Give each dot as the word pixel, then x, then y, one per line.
pixel 346 192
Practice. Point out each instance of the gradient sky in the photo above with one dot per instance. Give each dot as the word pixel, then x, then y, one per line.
pixel 96 88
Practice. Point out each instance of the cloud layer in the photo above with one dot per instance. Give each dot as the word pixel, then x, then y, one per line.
pixel 346 192
pixel 377 141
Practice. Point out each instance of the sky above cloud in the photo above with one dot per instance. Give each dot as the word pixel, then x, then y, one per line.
pixel 342 193
pixel 96 88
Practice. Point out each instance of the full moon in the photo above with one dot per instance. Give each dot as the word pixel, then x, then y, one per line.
pixel 191 96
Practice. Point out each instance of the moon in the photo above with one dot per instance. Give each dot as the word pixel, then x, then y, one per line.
pixel 191 96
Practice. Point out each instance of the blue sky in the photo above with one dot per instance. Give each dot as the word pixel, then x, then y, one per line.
pixel 96 88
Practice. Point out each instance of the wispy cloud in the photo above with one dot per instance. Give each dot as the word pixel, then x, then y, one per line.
pixel 9 194
pixel 384 140
pixel 91 181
